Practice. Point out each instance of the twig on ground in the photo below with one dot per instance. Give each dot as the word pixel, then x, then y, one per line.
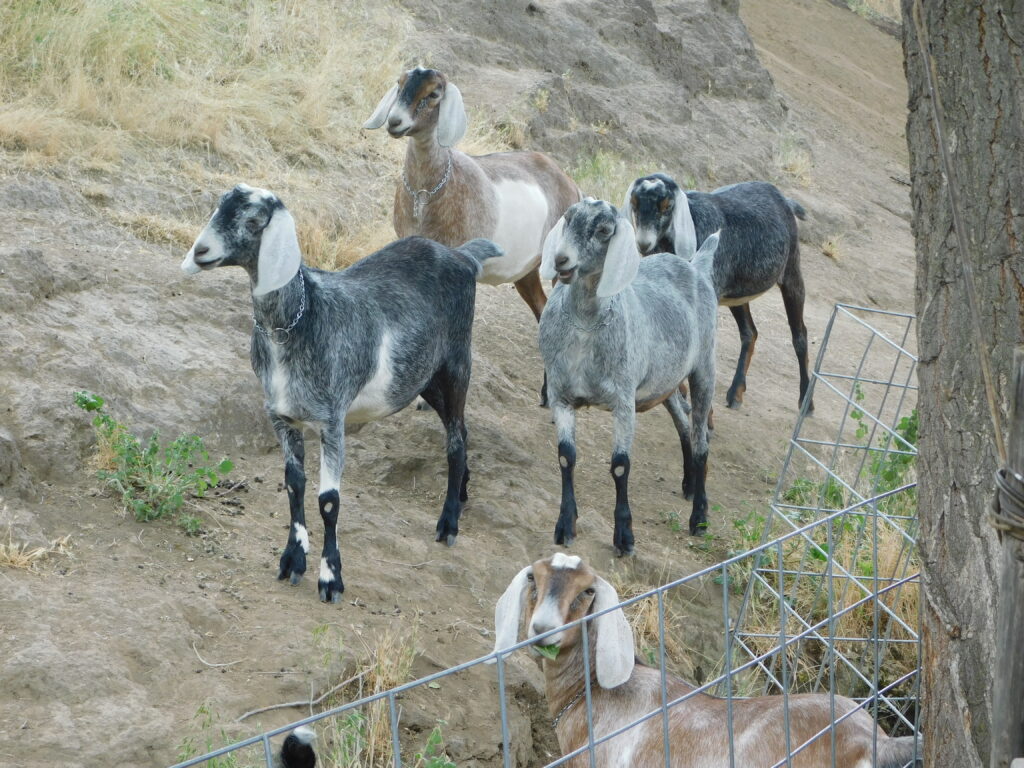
pixel 226 664
pixel 306 703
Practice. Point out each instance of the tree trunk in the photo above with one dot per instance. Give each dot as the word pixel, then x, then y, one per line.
pixel 977 50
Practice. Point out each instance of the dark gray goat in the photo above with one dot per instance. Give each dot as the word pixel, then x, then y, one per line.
pixel 759 248
pixel 623 334
pixel 343 348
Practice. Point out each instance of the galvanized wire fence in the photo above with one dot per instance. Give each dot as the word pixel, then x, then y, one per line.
pixel 827 602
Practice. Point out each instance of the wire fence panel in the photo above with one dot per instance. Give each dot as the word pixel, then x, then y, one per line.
pixel 827 602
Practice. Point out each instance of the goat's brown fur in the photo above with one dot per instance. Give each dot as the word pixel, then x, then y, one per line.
pixel 698 731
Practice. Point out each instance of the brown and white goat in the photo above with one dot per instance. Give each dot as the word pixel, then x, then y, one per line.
pixel 562 589
pixel 511 198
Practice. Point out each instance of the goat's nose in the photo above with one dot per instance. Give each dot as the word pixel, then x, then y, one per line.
pixel 394 121
pixel 200 250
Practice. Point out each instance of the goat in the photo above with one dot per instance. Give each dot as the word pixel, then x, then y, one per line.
pixel 623 334
pixel 344 348
pixel 297 749
pixel 759 248
pixel 511 198
pixel 563 589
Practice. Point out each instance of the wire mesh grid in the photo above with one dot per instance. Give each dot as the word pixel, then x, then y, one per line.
pixel 827 602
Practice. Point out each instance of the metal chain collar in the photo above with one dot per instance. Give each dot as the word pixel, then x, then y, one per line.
pixel 272 334
pixel 567 707
pixel 420 197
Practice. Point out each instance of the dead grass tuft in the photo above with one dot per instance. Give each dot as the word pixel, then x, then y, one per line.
pixel 793 159
pixel 25 557
pixel 832 247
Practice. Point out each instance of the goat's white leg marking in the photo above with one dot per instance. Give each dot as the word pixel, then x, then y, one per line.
pixel 302 536
pixel 332 462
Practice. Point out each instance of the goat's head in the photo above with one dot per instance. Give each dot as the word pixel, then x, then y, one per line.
pixel 660 210
pixel 251 228
pixel 592 241
pixel 559 590
pixel 422 100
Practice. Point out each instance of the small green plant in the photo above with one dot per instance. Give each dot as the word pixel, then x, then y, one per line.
pixel 153 483
pixel 433 754
pixel 207 721
pixel 548 651
pixel 672 521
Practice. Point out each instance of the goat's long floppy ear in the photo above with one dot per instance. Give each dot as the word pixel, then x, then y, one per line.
pixel 509 611
pixel 451 117
pixel 627 201
pixel 551 242
pixel 614 645
pixel 622 260
pixel 684 236
pixel 381 112
pixel 279 257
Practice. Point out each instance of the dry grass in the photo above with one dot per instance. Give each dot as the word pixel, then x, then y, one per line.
pixel 832 247
pixel 885 9
pixel 792 158
pixel 25 557
pixel 362 738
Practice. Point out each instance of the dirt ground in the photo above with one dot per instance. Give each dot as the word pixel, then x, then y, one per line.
pixel 108 651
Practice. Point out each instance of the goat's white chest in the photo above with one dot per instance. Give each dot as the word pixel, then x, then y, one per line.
pixel 522 214
pixel 277 396
pixel 372 402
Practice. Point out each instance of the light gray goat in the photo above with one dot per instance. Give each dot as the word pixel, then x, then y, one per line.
pixel 343 348
pixel 759 248
pixel 623 334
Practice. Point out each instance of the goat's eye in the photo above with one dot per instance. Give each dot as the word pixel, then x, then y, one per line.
pixel 253 225
pixel 436 93
pixel 529 577
pixel 589 591
pixel 604 231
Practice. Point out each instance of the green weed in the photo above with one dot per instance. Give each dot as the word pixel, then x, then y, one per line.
pixel 153 483
pixel 189 748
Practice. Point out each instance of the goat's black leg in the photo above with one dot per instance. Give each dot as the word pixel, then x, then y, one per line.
pixel 293 559
pixel 702 387
pixel 677 408
pixel 532 292
pixel 748 338
pixel 624 417
pixel 464 490
pixel 448 398
pixel 565 425
pixel 332 463
pixel 792 287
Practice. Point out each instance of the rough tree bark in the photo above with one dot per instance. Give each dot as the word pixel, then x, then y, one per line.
pixel 977 48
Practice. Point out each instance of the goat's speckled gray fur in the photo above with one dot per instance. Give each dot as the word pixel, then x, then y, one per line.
pixel 372 337
pixel 627 352
pixel 759 248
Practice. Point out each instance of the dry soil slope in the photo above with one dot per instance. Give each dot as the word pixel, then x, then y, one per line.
pixel 98 647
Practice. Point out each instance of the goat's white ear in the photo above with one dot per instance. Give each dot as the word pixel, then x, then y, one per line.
pixel 614 645
pixel 710 245
pixel 684 236
pixel 621 262
pixel 508 612
pixel 627 201
pixel 279 257
pixel 451 117
pixel 551 242
pixel 381 112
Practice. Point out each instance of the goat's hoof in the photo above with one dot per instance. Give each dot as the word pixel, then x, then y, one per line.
pixel 293 564
pixel 626 552
pixel 330 593
pixel 447 538
pixel 698 528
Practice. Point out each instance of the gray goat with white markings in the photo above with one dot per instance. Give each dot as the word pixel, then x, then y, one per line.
pixel 759 248
pixel 337 349
pixel 623 334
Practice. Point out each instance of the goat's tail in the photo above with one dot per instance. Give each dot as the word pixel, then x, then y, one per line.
pixel 478 251
pixel 899 752
pixel 297 750
pixel 796 208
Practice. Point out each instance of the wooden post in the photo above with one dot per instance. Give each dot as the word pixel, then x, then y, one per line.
pixel 1008 676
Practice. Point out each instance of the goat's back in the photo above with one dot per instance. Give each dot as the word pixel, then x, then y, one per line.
pixel 759 236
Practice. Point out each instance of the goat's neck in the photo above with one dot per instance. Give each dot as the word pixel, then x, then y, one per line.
pixel 564 678
pixel 588 309
pixel 279 308
pixel 426 161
